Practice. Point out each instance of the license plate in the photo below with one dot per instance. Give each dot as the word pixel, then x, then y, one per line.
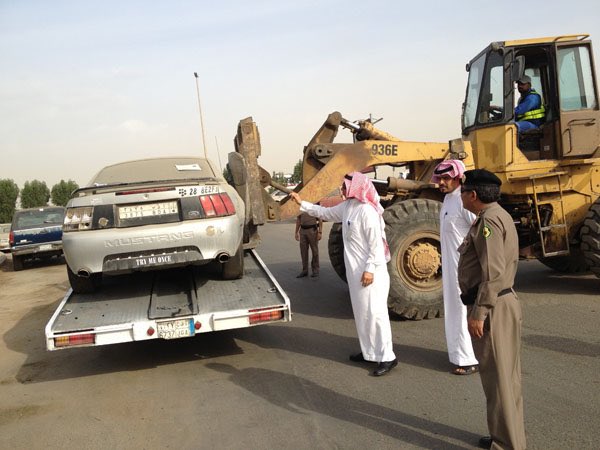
pixel 156 260
pixel 174 329
pixel 45 247
pixel 147 210
pixel 189 191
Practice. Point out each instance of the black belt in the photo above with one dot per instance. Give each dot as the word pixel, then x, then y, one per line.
pixel 308 227
pixel 468 298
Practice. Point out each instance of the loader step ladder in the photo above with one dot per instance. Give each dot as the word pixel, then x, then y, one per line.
pixel 561 222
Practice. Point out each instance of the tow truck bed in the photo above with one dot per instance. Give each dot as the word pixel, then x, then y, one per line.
pixel 168 304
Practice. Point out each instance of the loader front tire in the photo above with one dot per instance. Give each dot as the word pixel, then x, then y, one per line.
pixel 335 247
pixel 412 228
pixel 590 238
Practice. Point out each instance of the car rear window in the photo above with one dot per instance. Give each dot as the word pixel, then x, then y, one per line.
pixel 154 170
pixel 38 218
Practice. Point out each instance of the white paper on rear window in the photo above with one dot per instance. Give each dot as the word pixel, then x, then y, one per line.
pixel 187 167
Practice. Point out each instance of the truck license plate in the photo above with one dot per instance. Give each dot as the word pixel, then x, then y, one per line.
pixel 174 329
pixel 45 247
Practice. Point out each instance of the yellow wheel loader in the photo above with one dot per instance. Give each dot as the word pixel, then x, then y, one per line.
pixel 550 174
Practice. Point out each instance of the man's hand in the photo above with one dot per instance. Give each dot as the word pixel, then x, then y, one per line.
pixel 319 235
pixel 297 235
pixel 296 197
pixel 366 279
pixel 475 327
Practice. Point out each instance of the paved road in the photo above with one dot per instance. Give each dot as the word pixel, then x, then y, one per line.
pixel 289 385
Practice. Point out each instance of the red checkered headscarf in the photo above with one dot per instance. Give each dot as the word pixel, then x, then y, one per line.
pixel 454 168
pixel 359 186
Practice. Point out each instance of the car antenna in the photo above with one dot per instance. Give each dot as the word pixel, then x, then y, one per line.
pixel 201 119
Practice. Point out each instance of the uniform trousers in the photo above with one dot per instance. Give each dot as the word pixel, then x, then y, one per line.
pixel 309 238
pixel 499 355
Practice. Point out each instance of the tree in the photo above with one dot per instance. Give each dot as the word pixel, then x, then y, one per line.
pixel 35 193
pixel 9 191
pixel 61 192
pixel 297 175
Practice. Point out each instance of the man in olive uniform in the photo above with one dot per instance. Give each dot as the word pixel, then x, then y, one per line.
pixel 486 273
pixel 309 231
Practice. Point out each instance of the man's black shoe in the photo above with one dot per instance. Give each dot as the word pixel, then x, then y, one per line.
pixel 302 274
pixel 384 367
pixel 358 358
pixel 485 442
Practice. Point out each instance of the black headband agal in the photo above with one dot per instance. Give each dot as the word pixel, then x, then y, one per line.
pixel 442 171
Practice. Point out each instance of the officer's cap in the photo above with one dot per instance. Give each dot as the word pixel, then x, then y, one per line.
pixel 480 177
pixel 524 79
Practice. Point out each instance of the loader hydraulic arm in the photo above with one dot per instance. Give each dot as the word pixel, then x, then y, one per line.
pixel 325 163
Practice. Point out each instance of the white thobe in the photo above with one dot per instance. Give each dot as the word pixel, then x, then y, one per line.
pixel 455 222
pixel 364 252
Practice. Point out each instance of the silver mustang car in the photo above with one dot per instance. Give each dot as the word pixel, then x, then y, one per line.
pixel 152 214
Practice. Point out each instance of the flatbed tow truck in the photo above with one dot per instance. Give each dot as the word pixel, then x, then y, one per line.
pixel 168 304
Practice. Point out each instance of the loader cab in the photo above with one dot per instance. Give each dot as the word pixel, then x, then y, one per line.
pixel 562 72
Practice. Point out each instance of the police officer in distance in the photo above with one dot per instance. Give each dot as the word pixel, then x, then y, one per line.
pixel 486 271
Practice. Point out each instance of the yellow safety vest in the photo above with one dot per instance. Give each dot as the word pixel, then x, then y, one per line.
pixel 539 113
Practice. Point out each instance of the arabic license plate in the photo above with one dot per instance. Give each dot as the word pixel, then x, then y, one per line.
pixel 188 191
pixel 147 210
pixel 45 247
pixel 173 329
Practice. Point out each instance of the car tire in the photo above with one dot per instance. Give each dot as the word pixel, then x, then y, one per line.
pixel 234 267
pixel 18 262
pixel 81 285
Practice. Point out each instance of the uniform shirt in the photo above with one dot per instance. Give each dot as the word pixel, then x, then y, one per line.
pixel 488 258
pixel 306 220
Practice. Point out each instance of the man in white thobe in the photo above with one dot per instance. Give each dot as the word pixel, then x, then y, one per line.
pixel 365 257
pixel 455 222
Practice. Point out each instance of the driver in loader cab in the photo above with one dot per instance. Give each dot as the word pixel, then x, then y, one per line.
pixel 530 112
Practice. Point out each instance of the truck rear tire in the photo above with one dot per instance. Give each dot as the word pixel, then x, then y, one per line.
pixel 413 235
pixel 234 268
pixel 82 285
pixel 17 262
pixel 590 238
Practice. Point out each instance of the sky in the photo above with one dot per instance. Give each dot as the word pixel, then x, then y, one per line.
pixel 85 84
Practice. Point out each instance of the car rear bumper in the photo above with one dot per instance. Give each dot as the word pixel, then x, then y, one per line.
pixel 37 249
pixel 119 250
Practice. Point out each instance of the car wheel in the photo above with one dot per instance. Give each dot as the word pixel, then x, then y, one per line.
pixel 82 285
pixel 234 268
pixel 17 262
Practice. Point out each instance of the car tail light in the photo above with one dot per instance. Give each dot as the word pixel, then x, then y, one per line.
pixel 265 315
pixel 11 238
pixel 75 339
pixel 217 205
pixel 78 219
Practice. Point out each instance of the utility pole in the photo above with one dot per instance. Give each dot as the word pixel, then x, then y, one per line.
pixel 201 119
pixel 218 154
